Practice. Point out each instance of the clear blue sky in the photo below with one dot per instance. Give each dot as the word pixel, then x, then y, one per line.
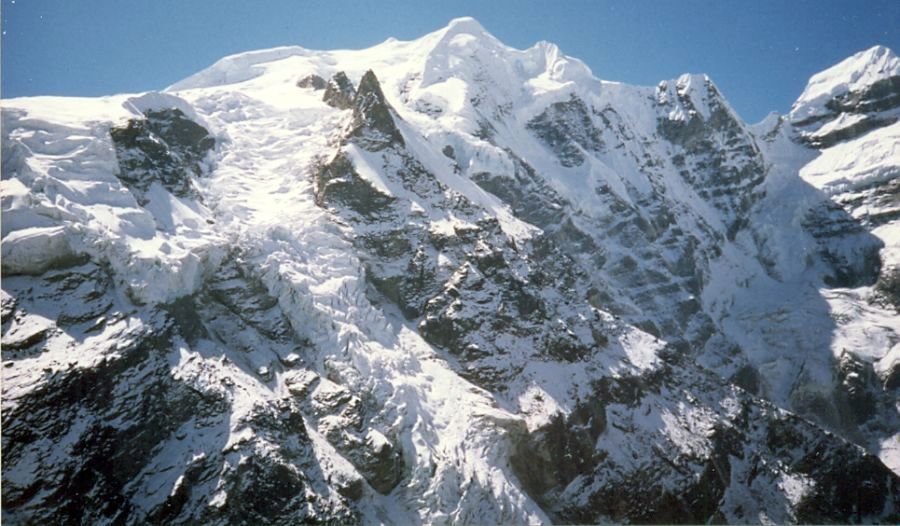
pixel 759 52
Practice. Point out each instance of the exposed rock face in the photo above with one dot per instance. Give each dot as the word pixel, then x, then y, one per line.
pixel 708 481
pixel 728 176
pixel 119 416
pixel 166 147
pixel 337 182
pixel 312 81
pixel 832 226
pixel 888 287
pixel 853 114
pixel 566 128
pixel 373 125
pixel 466 317
pixel 445 295
pixel 339 92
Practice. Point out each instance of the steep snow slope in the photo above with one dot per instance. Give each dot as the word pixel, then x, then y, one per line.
pixel 850 98
pixel 855 75
pixel 436 280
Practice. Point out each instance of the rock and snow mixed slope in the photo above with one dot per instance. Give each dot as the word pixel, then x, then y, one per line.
pixel 447 280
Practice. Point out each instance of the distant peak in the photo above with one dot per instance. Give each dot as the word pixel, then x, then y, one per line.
pixel 689 81
pixel 877 51
pixel 877 60
pixel 691 92
pixel 464 49
pixel 465 24
pixel 466 29
pixel 855 73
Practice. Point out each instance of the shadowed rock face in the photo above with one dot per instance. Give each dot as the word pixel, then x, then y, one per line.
pixel 312 81
pixel 119 418
pixel 888 287
pixel 373 126
pixel 830 224
pixel 720 160
pixel 581 477
pixel 482 311
pixel 852 131
pixel 566 127
pixel 166 147
pixel 584 239
pixel 338 183
pixel 552 456
pixel 339 92
pixel 881 95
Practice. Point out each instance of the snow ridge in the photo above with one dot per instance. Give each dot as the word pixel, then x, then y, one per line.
pixel 852 74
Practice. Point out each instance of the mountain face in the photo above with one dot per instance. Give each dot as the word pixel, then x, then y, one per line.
pixel 446 281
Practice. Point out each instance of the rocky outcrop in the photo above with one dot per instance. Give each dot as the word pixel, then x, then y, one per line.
pixel 566 128
pixel 852 114
pixel 312 81
pixel 729 177
pixel 120 411
pixel 850 251
pixel 575 468
pixel 373 126
pixel 338 183
pixel 342 421
pixel 166 148
pixel 339 93
pixel 888 287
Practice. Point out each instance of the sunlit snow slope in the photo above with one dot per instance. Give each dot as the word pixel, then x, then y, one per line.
pixel 446 280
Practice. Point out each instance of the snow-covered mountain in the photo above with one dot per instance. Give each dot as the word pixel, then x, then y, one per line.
pixel 446 280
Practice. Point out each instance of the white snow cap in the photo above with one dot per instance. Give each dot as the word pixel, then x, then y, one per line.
pixel 466 24
pixel 237 68
pixel 463 49
pixel 154 101
pixel 852 74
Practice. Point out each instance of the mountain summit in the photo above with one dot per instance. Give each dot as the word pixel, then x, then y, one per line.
pixel 449 281
pixel 860 72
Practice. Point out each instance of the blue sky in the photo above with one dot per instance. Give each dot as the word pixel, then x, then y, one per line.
pixel 760 53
